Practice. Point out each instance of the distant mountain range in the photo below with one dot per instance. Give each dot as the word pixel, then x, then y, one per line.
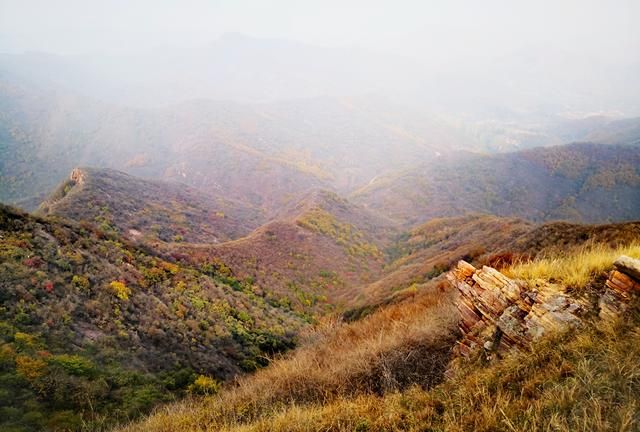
pixel 577 182
pixel 240 68
pixel 266 155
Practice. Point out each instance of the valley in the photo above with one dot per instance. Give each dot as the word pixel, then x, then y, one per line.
pixel 319 216
pixel 181 291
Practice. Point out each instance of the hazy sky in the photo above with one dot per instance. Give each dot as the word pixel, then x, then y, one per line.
pixel 437 29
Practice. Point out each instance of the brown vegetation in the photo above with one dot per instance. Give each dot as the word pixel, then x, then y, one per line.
pixel 146 210
pixel 578 182
pixel 389 351
pixel 585 379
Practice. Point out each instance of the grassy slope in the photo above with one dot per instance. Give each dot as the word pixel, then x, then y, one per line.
pixel 586 380
pixel 418 256
pixel 386 351
pixel 575 270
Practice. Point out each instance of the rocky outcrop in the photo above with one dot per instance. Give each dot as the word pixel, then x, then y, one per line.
pixel 622 284
pixel 78 176
pixel 498 313
pixel 630 267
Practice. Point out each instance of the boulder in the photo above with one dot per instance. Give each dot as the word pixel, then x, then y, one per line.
pixel 629 266
pixel 498 313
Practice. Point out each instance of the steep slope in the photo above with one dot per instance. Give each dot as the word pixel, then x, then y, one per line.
pixel 149 210
pixel 578 182
pixel 417 257
pixel 95 330
pixel 556 237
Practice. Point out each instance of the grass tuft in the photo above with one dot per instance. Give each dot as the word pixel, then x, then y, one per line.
pixel 575 269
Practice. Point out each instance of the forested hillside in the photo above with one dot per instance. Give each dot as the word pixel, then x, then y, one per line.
pixel 148 210
pixel 95 330
pixel 577 182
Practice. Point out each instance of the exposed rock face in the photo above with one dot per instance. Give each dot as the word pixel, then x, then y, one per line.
pixel 629 266
pixel 623 282
pixel 497 313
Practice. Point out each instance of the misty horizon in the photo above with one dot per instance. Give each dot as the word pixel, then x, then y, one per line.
pixel 462 56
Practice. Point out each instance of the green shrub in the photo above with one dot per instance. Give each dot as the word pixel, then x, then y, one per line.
pixel 204 385
pixel 74 364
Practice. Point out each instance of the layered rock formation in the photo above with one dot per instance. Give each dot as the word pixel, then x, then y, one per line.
pixel 498 313
pixel 622 284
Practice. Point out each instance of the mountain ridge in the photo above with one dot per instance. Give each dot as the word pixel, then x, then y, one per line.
pixel 137 207
pixel 576 182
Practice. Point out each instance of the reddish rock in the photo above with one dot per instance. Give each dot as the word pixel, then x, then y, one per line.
pixel 622 283
pixel 629 266
pixel 498 313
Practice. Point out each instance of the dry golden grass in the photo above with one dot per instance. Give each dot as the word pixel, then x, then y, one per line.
pixel 387 351
pixel 575 269
pixel 583 381
pixel 356 377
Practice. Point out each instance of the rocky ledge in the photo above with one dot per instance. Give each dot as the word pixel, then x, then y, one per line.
pixel 498 313
pixel 622 284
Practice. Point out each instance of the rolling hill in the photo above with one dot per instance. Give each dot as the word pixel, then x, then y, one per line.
pixel 315 252
pixel 417 259
pixel 268 155
pixel 576 182
pixel 149 210
pixel 127 321
pixel 391 370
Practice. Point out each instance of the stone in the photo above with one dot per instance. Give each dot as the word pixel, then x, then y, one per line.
pixel 78 176
pixel 622 284
pixel 629 266
pixel 498 313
